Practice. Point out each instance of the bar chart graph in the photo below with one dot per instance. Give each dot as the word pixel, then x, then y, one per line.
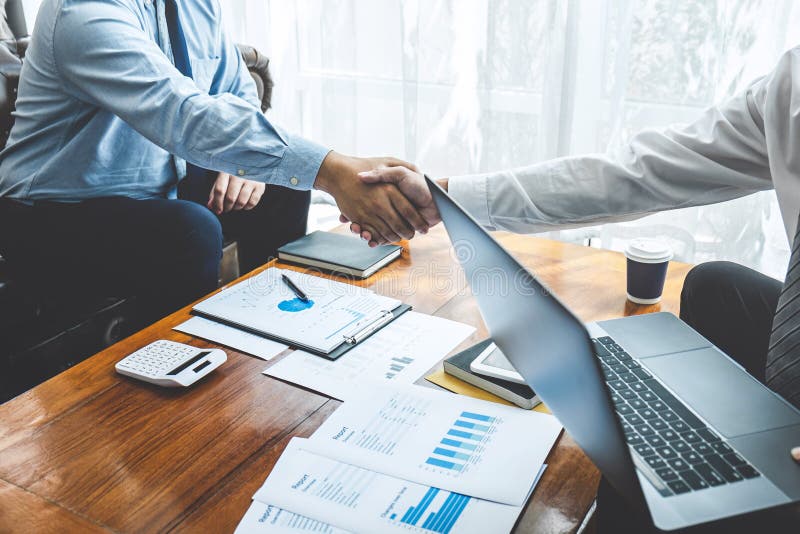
pixel 443 519
pixel 463 442
pixel 397 364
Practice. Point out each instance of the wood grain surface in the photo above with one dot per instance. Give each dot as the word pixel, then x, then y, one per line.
pixel 92 450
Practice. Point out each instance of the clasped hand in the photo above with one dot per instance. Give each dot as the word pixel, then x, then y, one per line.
pixel 386 197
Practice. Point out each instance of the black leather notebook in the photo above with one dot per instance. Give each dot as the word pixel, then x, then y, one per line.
pixel 338 253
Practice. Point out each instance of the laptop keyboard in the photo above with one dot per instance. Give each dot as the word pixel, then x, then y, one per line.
pixel 679 448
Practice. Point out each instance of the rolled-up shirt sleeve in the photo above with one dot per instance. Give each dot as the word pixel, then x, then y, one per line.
pixel 719 157
pixel 106 60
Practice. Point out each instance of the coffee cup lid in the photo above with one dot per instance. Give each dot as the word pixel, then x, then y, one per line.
pixel 648 250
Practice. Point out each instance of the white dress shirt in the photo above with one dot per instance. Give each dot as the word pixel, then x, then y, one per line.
pixel 750 143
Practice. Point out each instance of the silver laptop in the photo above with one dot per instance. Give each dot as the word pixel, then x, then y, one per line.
pixel 675 425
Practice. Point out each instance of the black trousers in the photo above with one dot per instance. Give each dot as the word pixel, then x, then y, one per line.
pixel 164 252
pixel 732 306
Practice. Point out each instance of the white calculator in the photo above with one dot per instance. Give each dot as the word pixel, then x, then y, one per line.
pixel 171 364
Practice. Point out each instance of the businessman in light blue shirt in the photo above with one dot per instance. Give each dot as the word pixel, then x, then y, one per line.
pixel 116 99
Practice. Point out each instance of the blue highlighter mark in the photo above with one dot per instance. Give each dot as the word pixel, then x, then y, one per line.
pixel 295 305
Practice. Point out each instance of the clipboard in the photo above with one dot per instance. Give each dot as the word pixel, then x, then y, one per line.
pixel 353 339
pixel 321 316
pixel 350 339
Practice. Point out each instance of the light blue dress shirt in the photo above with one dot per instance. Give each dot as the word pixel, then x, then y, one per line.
pixel 102 111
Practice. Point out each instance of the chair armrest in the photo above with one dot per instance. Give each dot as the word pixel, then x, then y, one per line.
pixel 258 65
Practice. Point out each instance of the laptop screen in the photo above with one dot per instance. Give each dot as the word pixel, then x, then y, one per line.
pixel 544 341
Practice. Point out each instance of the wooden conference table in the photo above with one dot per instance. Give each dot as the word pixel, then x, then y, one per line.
pixel 91 450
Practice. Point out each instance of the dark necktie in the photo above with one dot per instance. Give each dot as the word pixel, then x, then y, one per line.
pixel 783 358
pixel 180 57
pixel 177 40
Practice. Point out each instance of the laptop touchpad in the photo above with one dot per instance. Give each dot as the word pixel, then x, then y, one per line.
pixel 721 392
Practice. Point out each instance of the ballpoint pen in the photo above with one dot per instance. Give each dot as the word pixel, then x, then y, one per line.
pixel 296 290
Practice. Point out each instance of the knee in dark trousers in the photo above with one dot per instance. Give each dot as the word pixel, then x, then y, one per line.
pixel 195 250
pixel 279 218
pixel 197 234
pixel 732 306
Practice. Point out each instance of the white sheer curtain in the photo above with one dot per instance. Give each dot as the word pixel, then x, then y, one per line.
pixel 464 86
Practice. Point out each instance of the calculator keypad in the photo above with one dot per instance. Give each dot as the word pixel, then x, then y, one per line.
pixel 158 358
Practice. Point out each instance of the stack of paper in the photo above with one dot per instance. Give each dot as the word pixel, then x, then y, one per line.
pixel 234 338
pixel 360 500
pixel 405 458
pixel 401 353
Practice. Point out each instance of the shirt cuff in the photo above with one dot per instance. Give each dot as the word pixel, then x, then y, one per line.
pixel 300 163
pixel 472 192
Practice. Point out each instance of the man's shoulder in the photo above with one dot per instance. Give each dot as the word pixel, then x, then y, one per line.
pixel 70 4
pixel 70 15
pixel 208 7
pixel 789 57
pixel 782 80
pixel 78 10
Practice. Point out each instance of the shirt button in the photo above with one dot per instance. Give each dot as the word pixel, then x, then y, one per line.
pixel 241 172
pixel 293 180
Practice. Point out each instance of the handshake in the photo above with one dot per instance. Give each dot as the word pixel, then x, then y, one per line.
pixel 384 199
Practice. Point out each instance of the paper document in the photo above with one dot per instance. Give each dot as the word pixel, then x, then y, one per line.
pixel 455 443
pixel 265 518
pixel 361 500
pixel 232 337
pixel 265 303
pixel 400 352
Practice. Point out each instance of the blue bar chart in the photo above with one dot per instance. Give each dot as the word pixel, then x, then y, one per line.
pixel 397 364
pixel 444 518
pixel 461 442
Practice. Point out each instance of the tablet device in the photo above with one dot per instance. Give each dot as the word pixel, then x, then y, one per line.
pixel 492 362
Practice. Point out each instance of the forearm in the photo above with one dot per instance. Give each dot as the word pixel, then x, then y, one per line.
pixel 718 158
pixel 106 61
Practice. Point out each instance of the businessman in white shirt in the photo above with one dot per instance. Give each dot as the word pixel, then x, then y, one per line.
pixel 749 143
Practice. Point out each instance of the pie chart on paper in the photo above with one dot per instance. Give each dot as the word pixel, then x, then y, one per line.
pixel 294 305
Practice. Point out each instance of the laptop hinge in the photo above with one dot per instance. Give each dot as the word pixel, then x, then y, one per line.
pixel 650 475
